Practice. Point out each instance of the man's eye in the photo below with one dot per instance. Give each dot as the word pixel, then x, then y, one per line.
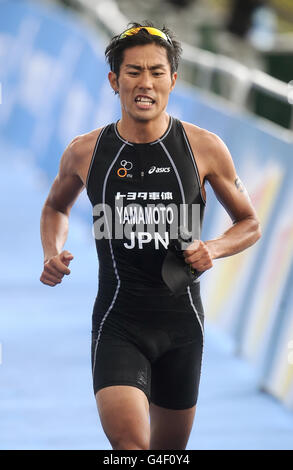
pixel 157 74
pixel 133 73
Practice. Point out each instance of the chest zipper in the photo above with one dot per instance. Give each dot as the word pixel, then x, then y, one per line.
pixel 142 175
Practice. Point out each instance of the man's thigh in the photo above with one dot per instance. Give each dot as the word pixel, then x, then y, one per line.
pixel 117 361
pixel 176 377
pixel 170 429
pixel 124 414
pixel 174 391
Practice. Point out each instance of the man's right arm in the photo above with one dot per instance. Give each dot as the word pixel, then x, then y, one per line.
pixel 55 215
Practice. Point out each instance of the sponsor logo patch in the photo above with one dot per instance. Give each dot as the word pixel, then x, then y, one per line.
pixel 155 169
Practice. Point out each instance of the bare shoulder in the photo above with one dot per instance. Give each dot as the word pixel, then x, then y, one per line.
pixel 82 145
pixel 208 147
pixel 77 155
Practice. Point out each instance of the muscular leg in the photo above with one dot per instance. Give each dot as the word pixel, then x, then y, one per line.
pixel 124 414
pixel 170 429
pixel 174 384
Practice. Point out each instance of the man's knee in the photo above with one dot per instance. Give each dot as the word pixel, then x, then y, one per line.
pixel 125 441
pixel 128 433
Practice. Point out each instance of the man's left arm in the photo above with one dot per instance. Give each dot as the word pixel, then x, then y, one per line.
pixel 231 193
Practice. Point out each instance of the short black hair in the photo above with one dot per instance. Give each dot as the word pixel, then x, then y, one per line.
pixel 115 50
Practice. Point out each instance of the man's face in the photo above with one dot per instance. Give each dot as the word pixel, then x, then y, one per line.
pixel 144 82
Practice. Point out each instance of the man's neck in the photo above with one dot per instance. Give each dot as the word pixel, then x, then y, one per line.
pixel 141 132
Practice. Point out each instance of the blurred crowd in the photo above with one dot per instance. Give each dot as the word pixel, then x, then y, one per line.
pixel 243 29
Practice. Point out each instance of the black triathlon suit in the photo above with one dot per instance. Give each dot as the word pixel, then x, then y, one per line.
pixel 142 335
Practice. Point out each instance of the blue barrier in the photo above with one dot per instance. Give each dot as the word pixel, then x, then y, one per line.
pixel 54 86
pixel 54 80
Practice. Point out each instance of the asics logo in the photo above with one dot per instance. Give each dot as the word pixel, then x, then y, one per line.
pixel 155 169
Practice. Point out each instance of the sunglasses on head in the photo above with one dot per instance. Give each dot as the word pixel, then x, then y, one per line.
pixel 149 29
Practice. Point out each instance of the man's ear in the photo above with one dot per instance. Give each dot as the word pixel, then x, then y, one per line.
pixel 112 77
pixel 173 80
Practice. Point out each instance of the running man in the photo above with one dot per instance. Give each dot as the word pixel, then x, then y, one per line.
pixel 146 342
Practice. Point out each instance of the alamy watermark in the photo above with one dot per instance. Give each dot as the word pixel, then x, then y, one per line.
pixel 139 224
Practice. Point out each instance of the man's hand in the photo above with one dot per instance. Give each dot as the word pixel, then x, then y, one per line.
pixel 198 256
pixel 55 268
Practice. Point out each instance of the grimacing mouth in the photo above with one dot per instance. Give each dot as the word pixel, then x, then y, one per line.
pixel 144 99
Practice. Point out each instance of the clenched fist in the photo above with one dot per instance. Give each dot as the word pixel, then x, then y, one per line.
pixel 55 268
pixel 198 256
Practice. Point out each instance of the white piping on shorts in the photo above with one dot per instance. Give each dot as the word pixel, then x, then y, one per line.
pixel 112 255
pixel 195 311
pixel 200 324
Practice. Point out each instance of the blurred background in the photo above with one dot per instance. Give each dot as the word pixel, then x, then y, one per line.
pixel 235 80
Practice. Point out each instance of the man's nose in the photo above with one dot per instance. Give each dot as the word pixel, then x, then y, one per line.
pixel 146 80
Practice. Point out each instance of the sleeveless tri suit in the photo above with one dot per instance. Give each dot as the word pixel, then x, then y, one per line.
pixel 142 335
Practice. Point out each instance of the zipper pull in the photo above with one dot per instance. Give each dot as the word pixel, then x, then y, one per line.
pixel 142 174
